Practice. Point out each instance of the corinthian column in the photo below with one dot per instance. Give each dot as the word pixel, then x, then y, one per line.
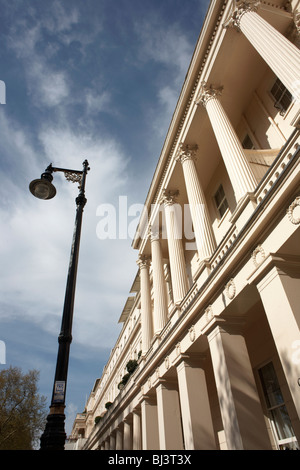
pixel 160 313
pixel 202 227
pixel 237 165
pixel 146 311
pixel 176 253
pixel 280 54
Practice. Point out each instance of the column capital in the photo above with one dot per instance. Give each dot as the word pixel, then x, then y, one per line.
pixel 154 233
pixel 240 8
pixel 206 93
pixel 143 261
pixel 186 152
pixel 169 197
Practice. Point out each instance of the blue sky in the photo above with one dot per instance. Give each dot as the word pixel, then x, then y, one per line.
pixel 95 79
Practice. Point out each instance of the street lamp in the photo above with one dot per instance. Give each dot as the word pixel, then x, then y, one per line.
pixel 54 435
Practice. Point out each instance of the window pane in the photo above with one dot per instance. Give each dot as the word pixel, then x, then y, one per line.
pixel 223 207
pixel 270 385
pixel 219 196
pixel 277 89
pixel 282 423
pixel 282 96
pixel 286 100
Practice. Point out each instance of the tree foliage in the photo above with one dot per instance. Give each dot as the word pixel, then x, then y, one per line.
pixel 22 409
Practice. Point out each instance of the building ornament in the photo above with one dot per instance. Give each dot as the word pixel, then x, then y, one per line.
pixel 169 197
pixel 230 289
pixel 192 333
pixel 143 261
pixel 167 363
pixel 296 17
pixel 240 8
pixel 186 152
pixel 208 313
pixel 294 217
pixel 154 233
pixel 207 93
pixel 258 255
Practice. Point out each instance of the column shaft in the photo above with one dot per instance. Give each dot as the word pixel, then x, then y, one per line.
pixel 235 160
pixel 282 56
pixel 137 432
pixel 241 411
pixel 279 291
pixel 112 442
pixel 176 252
pixel 202 226
pixel 146 308
pixel 127 445
pixel 160 314
pixel 195 407
pixel 119 439
pixel 149 424
pixel 170 432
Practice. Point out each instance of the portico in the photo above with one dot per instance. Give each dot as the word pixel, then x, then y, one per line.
pixel 216 315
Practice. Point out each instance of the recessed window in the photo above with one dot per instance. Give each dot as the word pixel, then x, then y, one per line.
pixel 221 201
pixel 283 98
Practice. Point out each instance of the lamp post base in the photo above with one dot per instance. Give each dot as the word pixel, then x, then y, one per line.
pixel 54 435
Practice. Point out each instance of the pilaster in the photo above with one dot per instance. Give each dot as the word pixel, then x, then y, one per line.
pixel 196 414
pixel 150 440
pixel 169 420
pixel 241 411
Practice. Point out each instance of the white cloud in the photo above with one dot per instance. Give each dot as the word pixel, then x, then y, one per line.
pixel 35 239
pixel 163 43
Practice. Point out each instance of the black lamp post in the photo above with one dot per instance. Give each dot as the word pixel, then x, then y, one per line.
pixel 54 435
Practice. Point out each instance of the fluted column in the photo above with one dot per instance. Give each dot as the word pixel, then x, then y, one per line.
pixel 235 160
pixel 282 56
pixel 160 314
pixel 146 309
pixel 176 253
pixel 202 227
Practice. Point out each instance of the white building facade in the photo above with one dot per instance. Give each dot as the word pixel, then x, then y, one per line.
pixel 209 353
